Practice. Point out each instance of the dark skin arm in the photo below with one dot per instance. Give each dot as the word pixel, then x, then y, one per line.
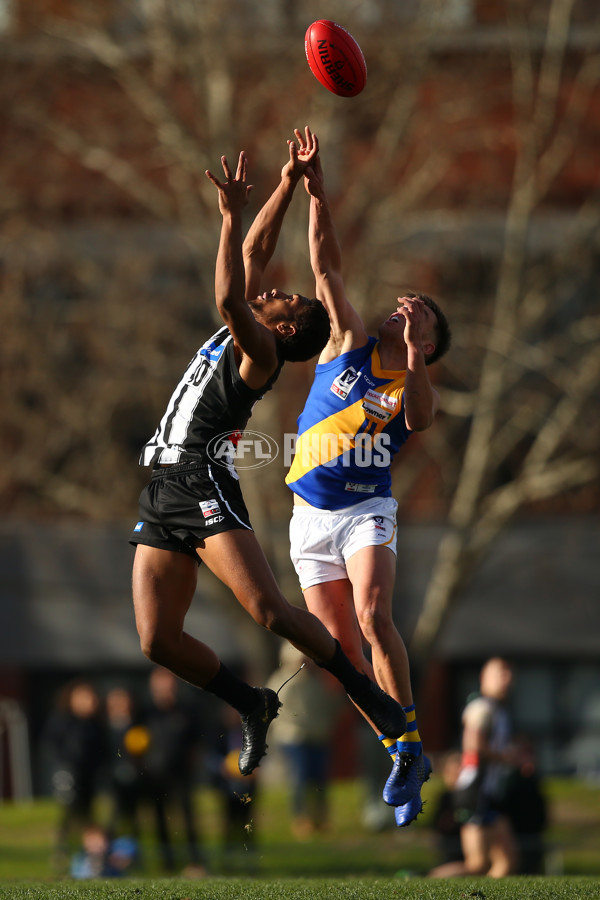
pixel 254 343
pixel 261 240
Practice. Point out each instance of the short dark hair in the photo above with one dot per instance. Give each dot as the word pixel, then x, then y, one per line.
pixel 312 333
pixel 443 332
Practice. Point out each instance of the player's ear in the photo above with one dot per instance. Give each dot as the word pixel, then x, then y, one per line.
pixel 286 329
pixel 428 348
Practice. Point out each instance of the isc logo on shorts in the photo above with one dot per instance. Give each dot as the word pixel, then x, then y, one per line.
pixel 342 385
pixel 209 508
pixel 215 520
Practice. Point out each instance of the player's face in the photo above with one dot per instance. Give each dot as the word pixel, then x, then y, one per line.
pixel 276 305
pixel 393 327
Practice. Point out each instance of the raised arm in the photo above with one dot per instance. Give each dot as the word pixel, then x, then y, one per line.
pixel 257 345
pixel 263 234
pixel 347 329
pixel 421 400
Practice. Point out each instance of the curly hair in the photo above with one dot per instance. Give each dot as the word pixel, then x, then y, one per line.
pixel 311 335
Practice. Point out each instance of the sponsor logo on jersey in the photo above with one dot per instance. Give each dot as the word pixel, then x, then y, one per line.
pixel 343 384
pixel 212 351
pixel 360 488
pixel 215 520
pixel 209 508
pixel 379 406
pixel 139 526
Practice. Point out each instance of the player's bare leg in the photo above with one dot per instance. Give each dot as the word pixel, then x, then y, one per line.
pixel 237 560
pixel 163 588
pixel 372 572
pixel 332 602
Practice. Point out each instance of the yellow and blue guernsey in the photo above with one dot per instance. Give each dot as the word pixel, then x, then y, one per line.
pixel 349 431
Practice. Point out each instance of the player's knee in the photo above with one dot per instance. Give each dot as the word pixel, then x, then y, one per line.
pixel 271 619
pixel 375 624
pixel 155 646
pixel 271 613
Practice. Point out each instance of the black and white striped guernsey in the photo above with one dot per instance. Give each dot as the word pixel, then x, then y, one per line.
pixel 210 400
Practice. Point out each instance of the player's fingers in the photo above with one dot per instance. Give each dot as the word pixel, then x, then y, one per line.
pixel 241 167
pixel 300 138
pixel 311 140
pixel 226 168
pixel 212 178
pixel 409 303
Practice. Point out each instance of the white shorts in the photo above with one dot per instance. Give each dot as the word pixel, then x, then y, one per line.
pixel 321 540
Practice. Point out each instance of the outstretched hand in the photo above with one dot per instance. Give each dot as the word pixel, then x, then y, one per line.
pixel 233 193
pixel 413 310
pixel 313 179
pixel 303 151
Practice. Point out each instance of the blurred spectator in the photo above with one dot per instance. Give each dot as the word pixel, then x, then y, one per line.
pixel 101 858
pixel 127 742
pixel 75 735
pixel 444 821
pixel 487 839
pixel 304 731
pixel 238 792
pixel 168 767
pixel 526 808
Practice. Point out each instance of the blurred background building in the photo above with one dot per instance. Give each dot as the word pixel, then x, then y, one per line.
pixel 467 169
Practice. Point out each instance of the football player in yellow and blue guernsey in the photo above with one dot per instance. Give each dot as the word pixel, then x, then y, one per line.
pixel 192 510
pixel 369 394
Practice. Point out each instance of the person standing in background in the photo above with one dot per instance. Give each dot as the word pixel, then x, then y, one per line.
pixel 304 731
pixel 75 737
pixel 487 839
pixel 169 766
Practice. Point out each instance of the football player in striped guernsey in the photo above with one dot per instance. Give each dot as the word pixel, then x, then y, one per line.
pixel 193 511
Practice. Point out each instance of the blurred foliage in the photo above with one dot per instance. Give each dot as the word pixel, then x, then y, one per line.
pixel 466 169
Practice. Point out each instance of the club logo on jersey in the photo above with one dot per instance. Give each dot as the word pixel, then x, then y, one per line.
pixel 343 384
pixel 378 406
pixel 244 449
pixel 210 508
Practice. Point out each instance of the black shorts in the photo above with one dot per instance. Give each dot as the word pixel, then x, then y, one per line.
pixel 184 504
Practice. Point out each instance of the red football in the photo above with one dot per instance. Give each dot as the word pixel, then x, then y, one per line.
pixel 335 59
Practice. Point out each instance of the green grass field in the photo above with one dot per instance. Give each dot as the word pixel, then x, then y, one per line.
pixel 549 888
pixel 345 862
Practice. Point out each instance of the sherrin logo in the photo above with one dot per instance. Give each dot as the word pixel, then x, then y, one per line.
pixel 244 450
